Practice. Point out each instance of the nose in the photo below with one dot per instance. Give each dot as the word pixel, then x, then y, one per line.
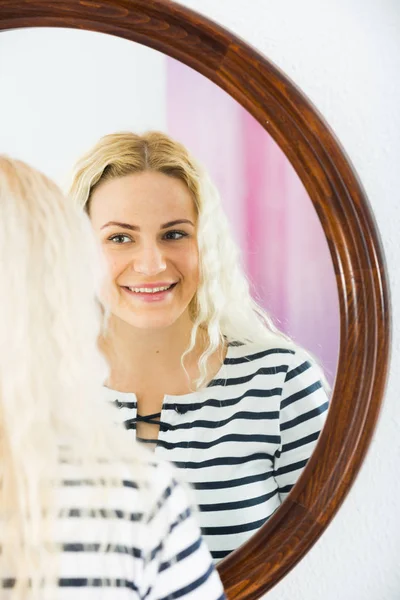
pixel 149 260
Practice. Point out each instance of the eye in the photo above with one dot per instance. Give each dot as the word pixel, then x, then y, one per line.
pixel 175 235
pixel 120 238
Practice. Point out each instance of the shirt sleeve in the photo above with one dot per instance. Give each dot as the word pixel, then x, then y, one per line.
pixel 303 409
pixel 180 566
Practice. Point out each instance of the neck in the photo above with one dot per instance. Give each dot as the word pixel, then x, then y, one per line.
pixel 137 354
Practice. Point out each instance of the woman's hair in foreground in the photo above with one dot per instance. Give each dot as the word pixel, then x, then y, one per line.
pixel 51 370
pixel 223 305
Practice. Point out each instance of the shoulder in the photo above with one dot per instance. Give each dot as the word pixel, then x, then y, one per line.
pixel 160 497
pixel 176 559
pixel 304 371
pixel 163 493
pixel 290 356
pixel 289 365
pixel 260 354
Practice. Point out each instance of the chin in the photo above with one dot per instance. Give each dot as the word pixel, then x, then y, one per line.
pixel 151 322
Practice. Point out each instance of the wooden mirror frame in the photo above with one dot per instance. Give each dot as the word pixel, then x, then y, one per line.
pixel 289 117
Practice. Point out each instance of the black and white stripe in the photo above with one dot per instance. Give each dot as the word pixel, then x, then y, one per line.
pixel 154 554
pixel 242 441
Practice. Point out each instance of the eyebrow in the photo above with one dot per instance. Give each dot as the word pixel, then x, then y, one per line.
pixel 136 228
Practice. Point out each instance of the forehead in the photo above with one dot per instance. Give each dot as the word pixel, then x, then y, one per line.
pixel 147 196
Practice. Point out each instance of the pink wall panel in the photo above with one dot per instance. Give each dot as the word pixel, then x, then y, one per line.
pixel 285 253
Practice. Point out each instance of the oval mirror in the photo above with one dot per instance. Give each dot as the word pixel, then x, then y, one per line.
pixel 298 203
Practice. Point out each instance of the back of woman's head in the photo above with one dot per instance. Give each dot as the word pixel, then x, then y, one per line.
pixel 50 319
pixel 223 305
pixel 51 371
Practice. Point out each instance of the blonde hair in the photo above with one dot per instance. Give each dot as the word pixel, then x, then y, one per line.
pixel 51 371
pixel 223 305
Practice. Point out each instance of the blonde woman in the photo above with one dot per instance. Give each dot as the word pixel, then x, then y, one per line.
pixel 84 513
pixel 197 369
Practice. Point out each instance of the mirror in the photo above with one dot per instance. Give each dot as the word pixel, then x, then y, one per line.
pixel 69 108
pixel 283 248
pixel 217 54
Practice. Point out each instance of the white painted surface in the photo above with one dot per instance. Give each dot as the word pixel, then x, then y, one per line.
pixel 62 89
pixel 345 55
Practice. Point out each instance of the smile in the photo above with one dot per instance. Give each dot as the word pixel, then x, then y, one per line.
pixel 152 290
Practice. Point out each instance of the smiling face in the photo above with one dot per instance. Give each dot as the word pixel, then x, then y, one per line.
pixel 146 223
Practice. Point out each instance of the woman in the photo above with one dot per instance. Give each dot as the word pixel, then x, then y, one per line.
pixel 197 368
pixel 73 518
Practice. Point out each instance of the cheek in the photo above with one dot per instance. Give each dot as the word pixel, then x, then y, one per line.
pixel 115 264
pixel 192 265
pixel 114 268
pixel 106 294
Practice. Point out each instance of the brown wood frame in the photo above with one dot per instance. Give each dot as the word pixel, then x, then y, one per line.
pixel 341 204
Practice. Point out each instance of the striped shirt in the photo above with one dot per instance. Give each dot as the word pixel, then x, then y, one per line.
pixel 242 441
pixel 156 551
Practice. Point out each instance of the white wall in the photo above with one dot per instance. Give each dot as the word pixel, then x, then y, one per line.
pixel 345 55
pixel 62 89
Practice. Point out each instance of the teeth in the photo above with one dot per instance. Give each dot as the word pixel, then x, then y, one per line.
pixel 149 290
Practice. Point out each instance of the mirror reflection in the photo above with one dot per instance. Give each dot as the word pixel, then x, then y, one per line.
pixel 221 316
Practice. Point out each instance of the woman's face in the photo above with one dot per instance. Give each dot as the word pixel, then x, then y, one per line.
pixel 146 223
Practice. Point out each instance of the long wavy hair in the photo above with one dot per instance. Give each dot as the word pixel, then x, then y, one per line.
pixel 223 305
pixel 51 372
